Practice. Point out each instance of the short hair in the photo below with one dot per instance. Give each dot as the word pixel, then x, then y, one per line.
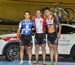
pixel 27 12
pixel 38 10
pixel 46 8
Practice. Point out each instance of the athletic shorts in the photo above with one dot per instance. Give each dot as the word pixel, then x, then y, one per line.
pixel 52 38
pixel 26 40
pixel 40 39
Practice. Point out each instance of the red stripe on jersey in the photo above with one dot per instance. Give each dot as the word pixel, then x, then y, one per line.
pixel 43 24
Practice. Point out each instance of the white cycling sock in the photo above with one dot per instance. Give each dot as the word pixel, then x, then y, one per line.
pixel 29 62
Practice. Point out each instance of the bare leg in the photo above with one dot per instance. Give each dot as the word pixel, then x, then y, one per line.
pixel 43 46
pixel 30 52
pixel 56 53
pixel 37 51
pixel 51 52
pixel 21 53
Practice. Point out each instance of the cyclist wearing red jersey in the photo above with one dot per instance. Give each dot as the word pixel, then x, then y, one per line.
pixel 40 39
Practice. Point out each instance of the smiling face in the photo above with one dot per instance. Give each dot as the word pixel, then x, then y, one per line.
pixel 47 12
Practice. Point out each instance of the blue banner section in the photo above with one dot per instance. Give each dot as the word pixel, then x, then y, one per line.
pixel 40 63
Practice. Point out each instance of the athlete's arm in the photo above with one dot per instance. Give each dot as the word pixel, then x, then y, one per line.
pixel 59 32
pixel 34 27
pixel 45 22
pixel 58 25
pixel 18 32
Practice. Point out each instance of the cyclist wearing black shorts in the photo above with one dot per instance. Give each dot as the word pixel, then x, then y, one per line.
pixel 40 38
pixel 54 33
pixel 24 32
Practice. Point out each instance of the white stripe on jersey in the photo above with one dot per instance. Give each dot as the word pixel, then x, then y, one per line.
pixel 39 25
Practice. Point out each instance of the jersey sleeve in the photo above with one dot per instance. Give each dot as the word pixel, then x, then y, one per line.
pixel 45 21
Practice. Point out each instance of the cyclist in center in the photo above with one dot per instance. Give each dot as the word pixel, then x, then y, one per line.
pixel 40 37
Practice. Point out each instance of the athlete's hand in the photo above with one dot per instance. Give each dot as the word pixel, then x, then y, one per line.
pixel 18 39
pixel 59 35
pixel 33 17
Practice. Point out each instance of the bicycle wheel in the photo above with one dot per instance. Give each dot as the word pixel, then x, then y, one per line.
pixel 70 11
pixel 64 15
